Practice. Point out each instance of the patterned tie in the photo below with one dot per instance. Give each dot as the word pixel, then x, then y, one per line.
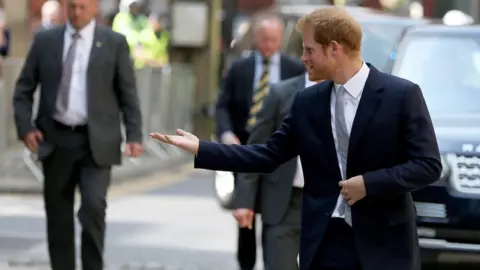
pixel 261 91
pixel 342 146
pixel 67 70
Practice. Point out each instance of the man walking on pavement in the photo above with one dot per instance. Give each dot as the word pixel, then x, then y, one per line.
pixel 281 191
pixel 87 87
pixel 240 99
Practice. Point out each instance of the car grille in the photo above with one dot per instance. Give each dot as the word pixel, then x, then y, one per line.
pixel 465 172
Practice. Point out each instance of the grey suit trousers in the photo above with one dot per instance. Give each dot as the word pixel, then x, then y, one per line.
pixel 281 242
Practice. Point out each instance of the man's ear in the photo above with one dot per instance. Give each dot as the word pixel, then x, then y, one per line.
pixel 335 46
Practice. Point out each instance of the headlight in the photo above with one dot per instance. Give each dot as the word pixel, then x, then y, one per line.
pixel 445 167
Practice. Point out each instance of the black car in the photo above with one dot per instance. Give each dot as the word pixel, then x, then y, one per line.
pixel 445 62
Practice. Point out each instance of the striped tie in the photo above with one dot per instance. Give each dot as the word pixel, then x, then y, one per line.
pixel 261 91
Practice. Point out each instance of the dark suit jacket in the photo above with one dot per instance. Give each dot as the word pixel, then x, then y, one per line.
pixel 392 144
pixel 112 93
pixel 276 188
pixel 235 96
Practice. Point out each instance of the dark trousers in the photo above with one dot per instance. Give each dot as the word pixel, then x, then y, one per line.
pixel 337 250
pixel 70 164
pixel 281 242
pixel 247 248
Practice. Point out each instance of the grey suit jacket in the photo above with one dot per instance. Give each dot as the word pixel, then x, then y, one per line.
pixel 276 187
pixel 112 93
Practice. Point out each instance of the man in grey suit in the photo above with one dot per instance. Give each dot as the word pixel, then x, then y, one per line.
pixel 87 87
pixel 281 191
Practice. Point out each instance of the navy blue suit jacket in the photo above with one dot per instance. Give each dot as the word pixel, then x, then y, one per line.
pixel 392 144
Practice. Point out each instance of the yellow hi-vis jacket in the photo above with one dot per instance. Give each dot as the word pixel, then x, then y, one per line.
pixel 155 48
pixel 130 26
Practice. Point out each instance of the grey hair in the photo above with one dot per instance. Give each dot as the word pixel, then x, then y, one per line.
pixel 50 7
pixel 267 17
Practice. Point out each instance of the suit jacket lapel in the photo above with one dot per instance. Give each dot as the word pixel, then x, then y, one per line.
pixel 98 43
pixel 250 74
pixel 284 70
pixel 58 44
pixel 57 50
pixel 369 103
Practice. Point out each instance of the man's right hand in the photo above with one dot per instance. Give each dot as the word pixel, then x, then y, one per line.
pixel 33 139
pixel 185 140
pixel 244 217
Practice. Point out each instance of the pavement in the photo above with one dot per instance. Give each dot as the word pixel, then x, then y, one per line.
pixel 168 220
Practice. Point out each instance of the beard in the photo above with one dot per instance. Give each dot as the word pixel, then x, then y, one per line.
pixel 321 72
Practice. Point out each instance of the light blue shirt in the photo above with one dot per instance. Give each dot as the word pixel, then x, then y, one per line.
pixel 274 72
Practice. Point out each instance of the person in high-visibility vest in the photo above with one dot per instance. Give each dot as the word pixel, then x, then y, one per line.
pixel 130 22
pixel 154 43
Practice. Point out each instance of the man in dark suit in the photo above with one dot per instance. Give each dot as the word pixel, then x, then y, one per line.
pixel 365 140
pixel 87 87
pixel 240 98
pixel 281 191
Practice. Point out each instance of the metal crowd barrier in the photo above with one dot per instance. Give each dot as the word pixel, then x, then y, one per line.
pixel 166 99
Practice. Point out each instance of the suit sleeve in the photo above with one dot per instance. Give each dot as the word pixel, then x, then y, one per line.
pixel 423 166
pixel 25 89
pixel 224 99
pixel 252 158
pixel 247 183
pixel 126 89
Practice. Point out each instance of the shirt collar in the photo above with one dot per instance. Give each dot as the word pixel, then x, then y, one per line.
pixel 85 32
pixel 275 59
pixel 355 85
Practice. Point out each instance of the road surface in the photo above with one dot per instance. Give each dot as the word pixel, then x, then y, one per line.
pixel 169 223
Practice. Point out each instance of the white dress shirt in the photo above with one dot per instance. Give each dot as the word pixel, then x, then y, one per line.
pixel 354 88
pixel 77 112
pixel 298 181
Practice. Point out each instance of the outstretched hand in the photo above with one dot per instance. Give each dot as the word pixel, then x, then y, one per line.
pixel 184 140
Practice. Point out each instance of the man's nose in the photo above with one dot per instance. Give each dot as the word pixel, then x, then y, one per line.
pixel 303 58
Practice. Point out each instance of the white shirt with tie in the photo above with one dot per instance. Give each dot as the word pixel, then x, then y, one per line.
pixel 298 181
pixel 77 112
pixel 352 95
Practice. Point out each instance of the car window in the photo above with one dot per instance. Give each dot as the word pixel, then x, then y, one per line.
pixel 446 68
pixel 378 42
